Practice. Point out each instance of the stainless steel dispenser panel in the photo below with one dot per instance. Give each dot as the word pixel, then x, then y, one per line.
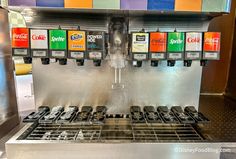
pixel 89 85
pixel 8 105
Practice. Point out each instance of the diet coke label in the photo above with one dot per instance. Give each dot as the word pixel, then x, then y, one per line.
pixel 193 42
pixel 20 38
pixel 39 39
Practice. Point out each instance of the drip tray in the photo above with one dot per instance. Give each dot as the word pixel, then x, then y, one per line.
pixel 113 130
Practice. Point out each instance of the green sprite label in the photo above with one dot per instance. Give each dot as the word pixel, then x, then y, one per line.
pixel 176 42
pixel 57 39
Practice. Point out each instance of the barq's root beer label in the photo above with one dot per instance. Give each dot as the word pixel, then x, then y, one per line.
pixel 76 40
pixel 175 45
pixel 20 38
pixel 211 48
pixel 140 43
pixel 158 42
pixel 193 46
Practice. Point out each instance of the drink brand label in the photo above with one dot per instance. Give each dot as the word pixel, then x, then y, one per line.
pixel 77 55
pixel 159 56
pixel 76 40
pixel 140 56
pixel 193 55
pixel 176 42
pixel 39 53
pixel 95 41
pixel 58 53
pixel 211 55
pixel 212 42
pixel 39 39
pixel 175 56
pixel 20 38
pixel 20 52
pixel 95 55
pixel 193 42
pixel 140 42
pixel 158 42
pixel 58 39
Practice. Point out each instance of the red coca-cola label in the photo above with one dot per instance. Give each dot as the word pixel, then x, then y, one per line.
pixel 158 42
pixel 212 41
pixel 20 38
pixel 194 40
pixel 38 37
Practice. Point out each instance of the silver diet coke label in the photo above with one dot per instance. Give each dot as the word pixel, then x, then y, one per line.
pixel 193 42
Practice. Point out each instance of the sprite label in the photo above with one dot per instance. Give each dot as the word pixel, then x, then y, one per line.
pixel 176 42
pixel 58 39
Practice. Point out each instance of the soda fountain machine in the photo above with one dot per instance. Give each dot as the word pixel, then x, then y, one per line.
pixel 127 85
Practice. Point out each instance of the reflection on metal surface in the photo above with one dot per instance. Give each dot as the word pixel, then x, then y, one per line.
pixel 8 105
pixel 87 85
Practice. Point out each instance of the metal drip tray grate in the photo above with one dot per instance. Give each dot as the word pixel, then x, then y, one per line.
pixel 113 131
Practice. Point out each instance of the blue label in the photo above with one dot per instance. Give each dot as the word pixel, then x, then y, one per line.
pixel 50 3
pixel 161 4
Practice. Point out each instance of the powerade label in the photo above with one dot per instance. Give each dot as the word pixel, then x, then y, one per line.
pixel 76 40
pixel 211 47
pixel 140 43
pixel 95 41
pixel 193 46
pixel 20 38
pixel 57 39
pixel 39 39
pixel 95 44
pixel 175 42
pixel 158 42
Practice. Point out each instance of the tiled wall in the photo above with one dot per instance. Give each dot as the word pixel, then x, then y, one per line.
pixel 163 5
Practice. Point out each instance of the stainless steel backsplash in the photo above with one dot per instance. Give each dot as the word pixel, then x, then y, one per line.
pixel 89 85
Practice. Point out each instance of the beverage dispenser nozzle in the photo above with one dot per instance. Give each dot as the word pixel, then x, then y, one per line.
pixel 154 63
pixel 45 61
pixel 187 63
pixel 97 63
pixel 27 60
pixel 80 62
pixel 62 61
pixel 137 63
pixel 171 63
pixel 203 62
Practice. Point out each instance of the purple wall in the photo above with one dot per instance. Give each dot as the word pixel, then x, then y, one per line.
pixel 22 2
pixel 134 4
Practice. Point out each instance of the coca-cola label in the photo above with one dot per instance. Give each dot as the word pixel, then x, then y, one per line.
pixel 193 42
pixel 39 39
pixel 20 38
pixel 158 42
pixel 140 42
pixel 211 42
pixel 176 42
